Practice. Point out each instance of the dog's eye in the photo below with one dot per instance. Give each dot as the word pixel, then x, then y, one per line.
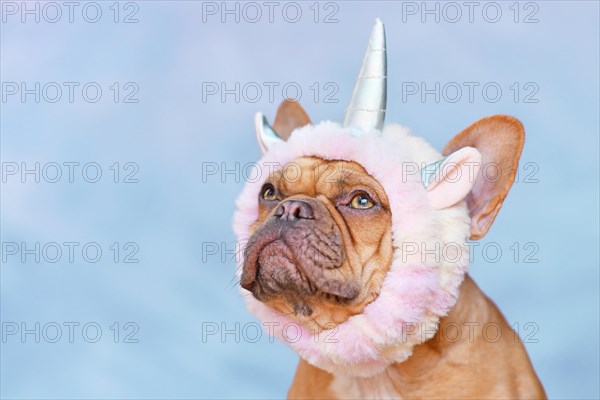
pixel 269 192
pixel 361 201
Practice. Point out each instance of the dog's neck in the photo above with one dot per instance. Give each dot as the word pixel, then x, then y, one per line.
pixel 432 362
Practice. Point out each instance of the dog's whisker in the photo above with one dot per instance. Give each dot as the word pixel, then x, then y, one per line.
pixel 233 282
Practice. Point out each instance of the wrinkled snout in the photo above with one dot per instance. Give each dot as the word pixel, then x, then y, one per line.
pixel 296 251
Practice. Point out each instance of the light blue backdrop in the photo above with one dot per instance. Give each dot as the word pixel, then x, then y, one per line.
pixel 173 214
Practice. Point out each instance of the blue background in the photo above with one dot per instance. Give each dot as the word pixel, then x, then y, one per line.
pixel 173 134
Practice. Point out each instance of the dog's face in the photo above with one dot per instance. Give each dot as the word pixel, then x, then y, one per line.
pixel 322 243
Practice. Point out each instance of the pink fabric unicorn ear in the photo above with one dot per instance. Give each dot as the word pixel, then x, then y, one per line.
pixel 449 180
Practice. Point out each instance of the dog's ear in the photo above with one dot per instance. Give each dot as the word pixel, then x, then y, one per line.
pixel 499 139
pixel 290 115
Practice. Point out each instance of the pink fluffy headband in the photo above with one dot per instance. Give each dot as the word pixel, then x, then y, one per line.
pixel 430 226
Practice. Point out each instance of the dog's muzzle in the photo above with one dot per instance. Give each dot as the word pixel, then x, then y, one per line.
pixel 297 251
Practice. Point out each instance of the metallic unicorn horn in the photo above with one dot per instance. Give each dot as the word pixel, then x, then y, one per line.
pixel 265 134
pixel 367 107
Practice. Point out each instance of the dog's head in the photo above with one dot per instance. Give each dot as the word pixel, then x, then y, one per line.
pixel 360 230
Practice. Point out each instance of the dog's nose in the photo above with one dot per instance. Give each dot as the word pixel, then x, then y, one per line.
pixel 292 210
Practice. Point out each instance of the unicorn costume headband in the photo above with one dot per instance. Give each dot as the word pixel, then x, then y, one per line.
pixel 419 287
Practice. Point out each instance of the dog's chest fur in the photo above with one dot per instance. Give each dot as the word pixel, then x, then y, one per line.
pixel 379 386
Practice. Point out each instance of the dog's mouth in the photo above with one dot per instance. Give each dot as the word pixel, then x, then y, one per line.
pixel 297 262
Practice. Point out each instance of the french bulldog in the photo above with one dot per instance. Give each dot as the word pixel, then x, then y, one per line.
pixel 357 235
